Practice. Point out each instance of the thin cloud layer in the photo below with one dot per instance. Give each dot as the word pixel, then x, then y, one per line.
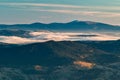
pixel 46 12
pixel 40 4
pixel 69 9
pixel 61 5
pixel 87 13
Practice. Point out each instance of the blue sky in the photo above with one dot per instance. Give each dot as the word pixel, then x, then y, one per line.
pixel 47 11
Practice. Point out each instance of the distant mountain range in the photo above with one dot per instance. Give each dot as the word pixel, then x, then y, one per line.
pixel 19 33
pixel 70 26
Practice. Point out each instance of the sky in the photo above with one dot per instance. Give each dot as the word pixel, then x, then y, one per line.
pixel 48 11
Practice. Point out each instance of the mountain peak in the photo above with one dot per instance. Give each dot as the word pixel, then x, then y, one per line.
pixel 74 21
pixel 37 23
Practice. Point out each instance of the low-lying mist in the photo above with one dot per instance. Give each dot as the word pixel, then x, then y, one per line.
pixel 43 36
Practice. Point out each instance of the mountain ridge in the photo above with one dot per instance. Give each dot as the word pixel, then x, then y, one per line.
pixel 63 50
pixel 69 26
pixel 61 60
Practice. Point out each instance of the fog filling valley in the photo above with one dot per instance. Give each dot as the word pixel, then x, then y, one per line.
pixel 43 36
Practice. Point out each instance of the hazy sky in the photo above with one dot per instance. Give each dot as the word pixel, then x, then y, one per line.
pixel 46 11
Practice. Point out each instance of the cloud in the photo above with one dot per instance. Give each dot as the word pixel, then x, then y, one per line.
pixel 85 13
pixel 104 37
pixel 84 10
pixel 89 11
pixel 16 40
pixel 94 13
pixel 79 10
pixel 42 4
pixel 46 35
pixel 59 36
pixel 61 5
pixel 43 36
pixel 70 12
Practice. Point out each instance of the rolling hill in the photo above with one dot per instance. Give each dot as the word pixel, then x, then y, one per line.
pixel 64 60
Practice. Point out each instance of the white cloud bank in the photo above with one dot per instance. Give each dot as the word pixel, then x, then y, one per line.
pixel 16 40
pixel 43 36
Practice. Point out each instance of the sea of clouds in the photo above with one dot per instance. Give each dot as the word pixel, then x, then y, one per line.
pixel 43 36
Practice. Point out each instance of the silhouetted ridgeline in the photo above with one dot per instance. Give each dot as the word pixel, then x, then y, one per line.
pixel 74 25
